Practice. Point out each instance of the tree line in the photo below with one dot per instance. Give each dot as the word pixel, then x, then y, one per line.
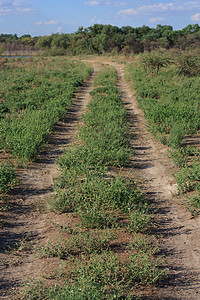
pixel 102 39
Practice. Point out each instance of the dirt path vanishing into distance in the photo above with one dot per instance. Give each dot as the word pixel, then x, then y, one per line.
pixel 28 224
pixel 179 233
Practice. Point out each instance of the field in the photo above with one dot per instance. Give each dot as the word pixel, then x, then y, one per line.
pixel 34 96
pixel 169 97
pixel 88 202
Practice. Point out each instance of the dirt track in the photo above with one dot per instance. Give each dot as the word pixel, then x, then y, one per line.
pixel 179 234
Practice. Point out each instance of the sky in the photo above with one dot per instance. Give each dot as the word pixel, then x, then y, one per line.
pixel 44 17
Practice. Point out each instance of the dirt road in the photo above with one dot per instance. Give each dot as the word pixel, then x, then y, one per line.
pixel 29 226
pixel 179 233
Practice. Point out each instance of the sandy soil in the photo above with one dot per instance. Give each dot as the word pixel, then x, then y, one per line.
pixel 179 234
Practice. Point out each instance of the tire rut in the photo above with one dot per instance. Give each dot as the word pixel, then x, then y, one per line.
pixel 179 233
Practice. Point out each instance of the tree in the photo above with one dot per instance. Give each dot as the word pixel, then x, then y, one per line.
pixel 60 40
pixel 44 42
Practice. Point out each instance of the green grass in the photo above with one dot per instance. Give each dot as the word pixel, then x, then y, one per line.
pixel 170 101
pixel 35 93
pixel 80 242
pixel 102 276
pixel 7 177
pixel 106 206
pixel 167 98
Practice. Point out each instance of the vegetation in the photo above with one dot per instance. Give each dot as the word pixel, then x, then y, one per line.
pixel 106 206
pixel 34 96
pixel 101 39
pixel 7 178
pixel 169 97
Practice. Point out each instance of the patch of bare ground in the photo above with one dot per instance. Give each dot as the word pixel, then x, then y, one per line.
pixel 27 224
pixel 179 233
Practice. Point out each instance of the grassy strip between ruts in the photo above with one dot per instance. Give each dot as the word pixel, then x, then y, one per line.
pixel 109 210
pixel 167 85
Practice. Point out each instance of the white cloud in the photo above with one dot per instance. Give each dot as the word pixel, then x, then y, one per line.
pixel 59 29
pixel 146 9
pixel 9 7
pixel 24 10
pixel 161 7
pixel 196 17
pixel 104 2
pixel 52 22
pixel 157 7
pixel 92 3
pixel 95 20
pixel 156 19
pixel 192 4
pixel 47 23
pixel 127 12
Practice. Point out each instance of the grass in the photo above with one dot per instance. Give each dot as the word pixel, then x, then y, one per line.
pixel 170 101
pixel 107 208
pixel 82 242
pixel 35 94
pixel 7 177
pixel 102 276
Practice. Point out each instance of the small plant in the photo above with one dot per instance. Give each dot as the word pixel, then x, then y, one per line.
pixel 61 249
pixel 142 243
pixel 96 216
pixel 139 220
pixel 143 268
pixel 7 178
pixel 21 245
pixel 176 135
pixel 85 242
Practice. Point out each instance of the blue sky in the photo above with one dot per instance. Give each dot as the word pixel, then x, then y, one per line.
pixel 48 16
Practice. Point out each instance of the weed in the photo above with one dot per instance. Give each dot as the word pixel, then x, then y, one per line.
pixel 142 243
pixel 176 135
pixel 83 242
pixel 143 268
pixel 98 216
pixel 61 249
pixel 22 245
pixel 139 220
pixel 7 178
pixel 100 200
pixel 170 100
pixel 103 277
